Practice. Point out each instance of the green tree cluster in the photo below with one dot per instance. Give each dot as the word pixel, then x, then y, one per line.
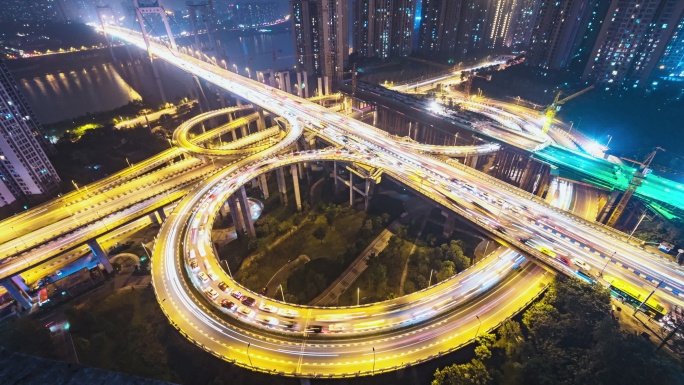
pixel 444 261
pixel 567 337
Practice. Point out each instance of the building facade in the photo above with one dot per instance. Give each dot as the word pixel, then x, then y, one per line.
pixel 632 41
pixel 383 28
pixel 671 65
pixel 439 25
pixel 558 32
pixel 321 34
pixel 26 173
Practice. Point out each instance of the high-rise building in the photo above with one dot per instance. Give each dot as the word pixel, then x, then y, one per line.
pixel 522 24
pixel 671 65
pixel 632 41
pixel 558 32
pixel 439 25
pixel 403 19
pixel 321 33
pixel 472 27
pixel 383 27
pixel 26 173
pixel 500 14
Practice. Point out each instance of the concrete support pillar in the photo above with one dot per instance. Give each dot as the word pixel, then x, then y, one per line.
pixel 351 189
pixel 369 192
pixel 255 183
pixel 264 185
pixel 449 224
pixel 305 85
pixel 282 187
pixel 100 254
pixel 234 135
pixel 235 215
pixel 320 87
pixel 225 209
pixel 161 213
pixel 473 161
pixel 375 119
pixel 244 131
pixel 261 122
pixel 19 295
pixel 326 80
pixel 295 181
pixel 271 78
pixel 288 86
pixel 299 84
pixel 19 281
pixel 337 183
pixel 154 219
pixel 246 211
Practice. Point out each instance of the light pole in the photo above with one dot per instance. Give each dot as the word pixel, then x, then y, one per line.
pixel 604 266
pixel 146 252
pixel 478 326
pixel 249 73
pixel 75 185
pixel 358 296
pixel 610 137
pixel 282 292
pixel 373 360
pixel 635 227
pixel 129 163
pixel 248 357
pixel 225 66
pixel 430 280
pixel 647 297
pixel 235 66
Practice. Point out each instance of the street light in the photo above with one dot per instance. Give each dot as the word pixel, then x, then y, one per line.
pixel 129 163
pixel 235 66
pixel 249 73
pixel 478 326
pixel 225 66
pixel 248 357
pixel 430 280
pixel 635 227
pixel 604 266
pixel 75 185
pixel 373 360
pixel 610 137
pixel 282 292
pixel 358 296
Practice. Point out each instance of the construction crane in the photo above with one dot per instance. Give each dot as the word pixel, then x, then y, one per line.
pixel 551 110
pixel 636 181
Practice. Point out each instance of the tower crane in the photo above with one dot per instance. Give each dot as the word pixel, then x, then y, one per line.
pixel 636 181
pixel 551 110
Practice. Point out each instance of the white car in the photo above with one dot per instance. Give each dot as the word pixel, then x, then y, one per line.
pixel 267 320
pixel 339 327
pixel 288 313
pixel 212 275
pixel 203 277
pixel 268 308
pixel 581 264
pixel 211 293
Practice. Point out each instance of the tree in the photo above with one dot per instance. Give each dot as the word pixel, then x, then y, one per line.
pixel 510 339
pixel 446 271
pixel 320 233
pixel 473 373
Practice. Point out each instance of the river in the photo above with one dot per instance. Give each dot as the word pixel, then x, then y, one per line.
pixel 77 87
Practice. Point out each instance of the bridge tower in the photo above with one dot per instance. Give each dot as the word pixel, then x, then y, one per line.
pixel 151 8
pixel 104 12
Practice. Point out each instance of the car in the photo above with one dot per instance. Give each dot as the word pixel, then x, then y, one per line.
pixel 212 275
pixel 223 287
pixel 249 301
pixel 288 313
pixel 203 277
pixel 194 266
pixel 244 310
pixel 268 308
pixel 267 319
pixel 523 239
pixel 211 293
pixel 230 305
pixel 581 264
pixel 547 251
pixel 563 260
pixel 288 324
pixel 339 327
pixel 237 295
pixel 314 329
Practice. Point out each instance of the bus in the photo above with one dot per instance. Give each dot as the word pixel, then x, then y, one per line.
pixel 635 296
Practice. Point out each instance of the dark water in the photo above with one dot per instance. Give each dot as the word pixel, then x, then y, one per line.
pixel 89 88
